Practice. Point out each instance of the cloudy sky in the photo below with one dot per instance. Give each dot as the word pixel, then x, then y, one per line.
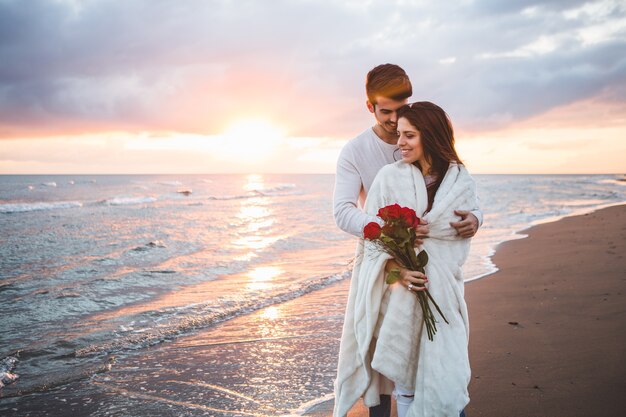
pixel 148 86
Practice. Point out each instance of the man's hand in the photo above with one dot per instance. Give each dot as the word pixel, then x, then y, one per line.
pixel 468 226
pixel 421 232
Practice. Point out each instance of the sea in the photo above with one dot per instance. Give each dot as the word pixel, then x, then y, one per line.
pixel 217 295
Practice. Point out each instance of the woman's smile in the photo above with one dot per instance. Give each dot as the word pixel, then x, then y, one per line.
pixel 409 141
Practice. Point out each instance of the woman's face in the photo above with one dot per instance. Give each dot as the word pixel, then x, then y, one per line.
pixel 409 142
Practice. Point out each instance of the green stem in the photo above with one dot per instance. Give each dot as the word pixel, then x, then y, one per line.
pixel 436 306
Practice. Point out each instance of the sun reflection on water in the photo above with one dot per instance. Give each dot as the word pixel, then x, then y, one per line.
pixel 256 217
pixel 270 324
pixel 255 182
pixel 262 277
pixel 271 313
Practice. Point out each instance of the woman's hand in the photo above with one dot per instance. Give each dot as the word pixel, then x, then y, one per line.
pixel 422 233
pixel 413 280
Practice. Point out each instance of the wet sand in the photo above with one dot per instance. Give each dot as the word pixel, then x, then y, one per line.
pixel 548 331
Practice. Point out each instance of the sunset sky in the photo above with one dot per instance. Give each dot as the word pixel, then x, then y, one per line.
pixel 147 86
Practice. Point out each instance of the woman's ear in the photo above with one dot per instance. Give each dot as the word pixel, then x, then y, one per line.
pixel 370 106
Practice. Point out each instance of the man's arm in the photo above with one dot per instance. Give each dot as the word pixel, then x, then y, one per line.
pixel 348 183
pixel 479 216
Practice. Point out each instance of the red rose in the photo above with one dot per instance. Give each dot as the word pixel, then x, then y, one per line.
pixel 372 231
pixel 382 213
pixel 395 212
pixel 389 230
pixel 391 212
pixel 417 222
pixel 409 217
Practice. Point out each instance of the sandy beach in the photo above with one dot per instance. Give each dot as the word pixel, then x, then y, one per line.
pixel 548 330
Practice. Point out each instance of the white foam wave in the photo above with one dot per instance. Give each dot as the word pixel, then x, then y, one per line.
pixel 616 181
pixel 310 405
pixel 172 183
pixel 272 190
pixel 277 191
pixel 123 201
pixel 49 184
pixel 230 197
pixel 176 321
pixel 24 207
pixel 6 366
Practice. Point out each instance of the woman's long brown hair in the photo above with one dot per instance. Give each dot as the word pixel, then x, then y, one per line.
pixel 437 137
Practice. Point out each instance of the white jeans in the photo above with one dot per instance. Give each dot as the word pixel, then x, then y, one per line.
pixel 404 398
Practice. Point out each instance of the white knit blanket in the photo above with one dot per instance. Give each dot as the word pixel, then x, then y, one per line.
pixel 382 338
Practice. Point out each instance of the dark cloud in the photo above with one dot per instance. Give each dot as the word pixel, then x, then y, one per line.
pixel 189 66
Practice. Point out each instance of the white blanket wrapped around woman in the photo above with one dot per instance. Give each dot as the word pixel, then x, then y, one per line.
pixel 382 338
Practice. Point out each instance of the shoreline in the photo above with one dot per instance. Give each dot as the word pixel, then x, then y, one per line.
pixel 520 234
pixel 543 340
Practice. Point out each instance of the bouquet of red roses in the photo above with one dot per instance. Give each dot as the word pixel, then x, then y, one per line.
pixel 397 238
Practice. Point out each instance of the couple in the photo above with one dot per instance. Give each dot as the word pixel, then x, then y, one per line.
pixel 407 158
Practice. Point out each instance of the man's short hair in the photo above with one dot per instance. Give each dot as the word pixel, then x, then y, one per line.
pixel 388 80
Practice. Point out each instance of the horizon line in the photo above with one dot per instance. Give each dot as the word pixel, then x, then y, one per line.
pixel 305 173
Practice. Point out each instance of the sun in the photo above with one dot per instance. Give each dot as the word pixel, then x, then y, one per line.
pixel 252 139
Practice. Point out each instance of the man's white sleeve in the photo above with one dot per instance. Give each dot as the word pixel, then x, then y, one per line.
pixel 479 215
pixel 348 183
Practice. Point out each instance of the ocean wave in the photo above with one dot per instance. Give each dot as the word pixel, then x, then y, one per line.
pixel 270 191
pixel 176 321
pixel 230 197
pixel 49 184
pixel 310 405
pixel 149 245
pixel 172 183
pixel 42 205
pixel 123 201
pixel 278 191
pixel 6 367
pixel 68 294
pixel 55 379
pixel 616 181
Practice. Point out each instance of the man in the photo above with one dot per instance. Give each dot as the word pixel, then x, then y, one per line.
pixel 388 88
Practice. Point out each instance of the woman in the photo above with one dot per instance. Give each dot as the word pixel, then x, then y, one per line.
pixel 383 347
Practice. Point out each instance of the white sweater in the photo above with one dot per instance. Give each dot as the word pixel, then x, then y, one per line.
pixel 359 162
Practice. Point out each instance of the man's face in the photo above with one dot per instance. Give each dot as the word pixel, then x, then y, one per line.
pixel 385 113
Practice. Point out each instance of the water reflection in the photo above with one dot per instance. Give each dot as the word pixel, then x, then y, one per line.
pixel 261 277
pixel 255 183
pixel 271 313
pixel 256 218
pixel 270 324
